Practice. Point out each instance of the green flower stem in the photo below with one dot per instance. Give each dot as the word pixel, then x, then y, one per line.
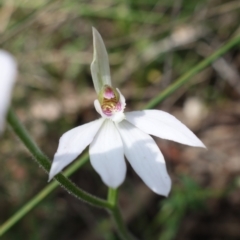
pixel 27 207
pixel 112 196
pixel 116 214
pixel 44 162
pixel 192 72
pixel 40 196
pixel 121 227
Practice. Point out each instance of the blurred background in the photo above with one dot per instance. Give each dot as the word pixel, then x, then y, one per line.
pixel 150 44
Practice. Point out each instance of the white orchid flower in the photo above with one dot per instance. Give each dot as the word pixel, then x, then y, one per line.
pixel 117 134
pixel 8 72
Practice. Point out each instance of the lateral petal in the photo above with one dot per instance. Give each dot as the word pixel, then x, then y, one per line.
pixel 106 155
pixel 100 65
pixel 164 125
pixel 145 158
pixel 72 143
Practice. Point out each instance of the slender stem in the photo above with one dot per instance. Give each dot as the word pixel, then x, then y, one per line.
pixel 27 207
pixel 44 162
pixel 112 195
pixel 40 196
pixel 121 227
pixel 188 75
pixel 116 214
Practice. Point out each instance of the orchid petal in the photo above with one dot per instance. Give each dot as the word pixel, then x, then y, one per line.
pixel 106 155
pixel 72 143
pixel 8 74
pixel 100 65
pixel 163 125
pixel 145 158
